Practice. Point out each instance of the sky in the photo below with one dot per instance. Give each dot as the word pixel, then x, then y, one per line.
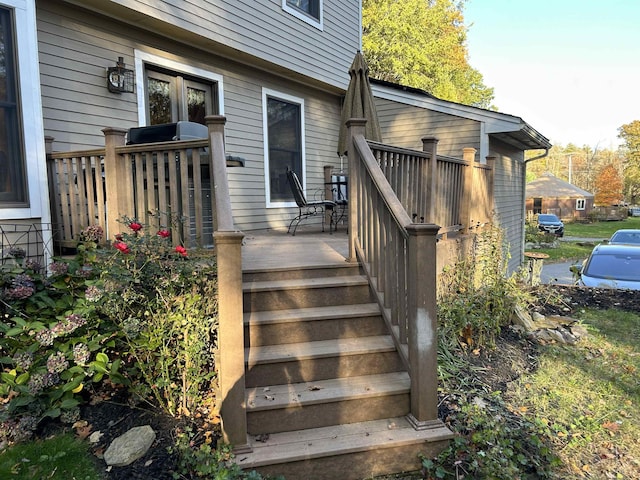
pixel 569 68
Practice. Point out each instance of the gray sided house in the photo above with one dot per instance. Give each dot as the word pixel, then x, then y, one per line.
pixel 275 69
pixel 549 194
pixel 408 114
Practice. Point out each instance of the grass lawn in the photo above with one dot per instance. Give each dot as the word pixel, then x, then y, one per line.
pixel 59 458
pixel 578 251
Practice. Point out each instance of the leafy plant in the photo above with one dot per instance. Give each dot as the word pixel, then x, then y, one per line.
pixel 52 341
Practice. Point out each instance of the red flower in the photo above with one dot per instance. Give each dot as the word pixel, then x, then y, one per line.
pixel 119 237
pixel 135 226
pixel 164 233
pixel 123 247
pixel 181 250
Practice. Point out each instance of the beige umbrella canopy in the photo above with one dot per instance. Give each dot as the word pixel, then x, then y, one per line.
pixel 359 103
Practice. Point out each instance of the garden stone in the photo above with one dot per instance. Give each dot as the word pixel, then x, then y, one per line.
pixel 130 446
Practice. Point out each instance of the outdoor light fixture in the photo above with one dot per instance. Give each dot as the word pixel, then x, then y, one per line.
pixel 119 78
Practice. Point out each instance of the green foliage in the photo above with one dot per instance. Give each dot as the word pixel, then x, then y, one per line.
pixel 422 44
pixel 165 305
pixel 205 462
pixel 59 458
pixel 52 342
pixel 140 312
pixel 476 299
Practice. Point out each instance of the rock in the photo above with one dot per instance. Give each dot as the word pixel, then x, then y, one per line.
pixel 523 319
pixel 130 446
pixel 578 331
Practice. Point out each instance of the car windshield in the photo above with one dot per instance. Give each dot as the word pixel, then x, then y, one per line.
pixel 548 218
pixel 619 267
pixel 629 237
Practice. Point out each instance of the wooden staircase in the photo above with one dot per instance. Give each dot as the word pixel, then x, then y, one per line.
pixel 326 390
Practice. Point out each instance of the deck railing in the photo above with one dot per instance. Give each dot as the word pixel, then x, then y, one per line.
pixel 455 193
pixel 398 255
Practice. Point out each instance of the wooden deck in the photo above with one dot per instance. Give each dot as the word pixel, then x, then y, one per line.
pixel 309 247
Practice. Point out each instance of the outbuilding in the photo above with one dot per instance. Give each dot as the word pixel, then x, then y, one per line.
pixel 549 194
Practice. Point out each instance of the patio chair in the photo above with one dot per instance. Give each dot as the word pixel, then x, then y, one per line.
pixel 307 208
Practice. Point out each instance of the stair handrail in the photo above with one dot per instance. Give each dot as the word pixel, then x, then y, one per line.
pixel 399 257
pixel 228 245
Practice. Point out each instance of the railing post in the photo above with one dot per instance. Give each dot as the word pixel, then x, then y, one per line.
pixel 228 244
pixel 422 312
pixel 430 145
pixel 355 127
pixel 230 365
pixel 468 156
pixel 118 181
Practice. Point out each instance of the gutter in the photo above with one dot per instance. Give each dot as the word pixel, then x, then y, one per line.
pixel 546 152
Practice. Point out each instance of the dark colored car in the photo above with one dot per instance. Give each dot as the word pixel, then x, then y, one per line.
pixel 626 236
pixel 612 266
pixel 550 223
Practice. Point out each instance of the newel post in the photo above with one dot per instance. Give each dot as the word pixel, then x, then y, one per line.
pixel 430 145
pixel 118 177
pixel 228 243
pixel 468 155
pixel 423 339
pixel 355 128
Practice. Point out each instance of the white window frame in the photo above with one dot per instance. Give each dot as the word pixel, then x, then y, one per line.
pixel 581 203
pixel 30 98
pixel 142 58
pixel 317 23
pixel 266 92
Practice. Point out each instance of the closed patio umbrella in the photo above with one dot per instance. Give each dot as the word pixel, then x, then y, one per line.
pixel 359 103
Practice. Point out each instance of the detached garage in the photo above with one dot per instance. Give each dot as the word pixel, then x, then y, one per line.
pixel 549 194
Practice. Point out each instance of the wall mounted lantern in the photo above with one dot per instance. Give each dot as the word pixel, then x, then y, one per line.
pixel 119 78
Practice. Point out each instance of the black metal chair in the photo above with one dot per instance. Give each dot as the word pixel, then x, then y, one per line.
pixel 307 208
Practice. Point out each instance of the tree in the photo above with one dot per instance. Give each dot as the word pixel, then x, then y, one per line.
pixel 608 186
pixel 422 44
pixel 630 133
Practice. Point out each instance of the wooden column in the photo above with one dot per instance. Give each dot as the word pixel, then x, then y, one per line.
pixel 490 208
pixel 469 155
pixel 423 339
pixel 118 181
pixel 430 145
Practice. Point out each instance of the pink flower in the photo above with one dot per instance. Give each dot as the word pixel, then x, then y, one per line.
pixel 123 247
pixel 135 226
pixel 164 233
pixel 181 250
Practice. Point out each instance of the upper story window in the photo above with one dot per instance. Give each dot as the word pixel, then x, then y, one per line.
pixel 13 187
pixel 308 10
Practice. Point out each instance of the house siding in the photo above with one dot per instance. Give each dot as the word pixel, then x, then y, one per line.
pixel 77 106
pixel 509 183
pixel 257 29
pixel 406 125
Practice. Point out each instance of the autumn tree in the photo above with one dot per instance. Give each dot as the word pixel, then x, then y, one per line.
pixel 608 186
pixel 630 134
pixel 422 44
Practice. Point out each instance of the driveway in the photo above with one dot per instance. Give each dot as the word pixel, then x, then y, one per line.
pixel 557 273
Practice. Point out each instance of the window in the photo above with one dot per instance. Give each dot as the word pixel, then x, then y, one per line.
pixel 13 188
pixel 580 203
pixel 284 145
pixel 308 10
pixel 537 205
pixel 172 97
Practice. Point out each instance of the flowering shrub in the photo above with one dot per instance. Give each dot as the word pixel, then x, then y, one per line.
pixel 52 342
pixel 141 313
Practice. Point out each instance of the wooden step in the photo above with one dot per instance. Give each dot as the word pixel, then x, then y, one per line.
pixel 318 323
pixel 351 451
pixel 288 273
pixel 322 360
pixel 281 408
pixel 306 292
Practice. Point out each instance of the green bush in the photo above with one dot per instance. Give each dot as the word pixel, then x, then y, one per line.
pixel 140 312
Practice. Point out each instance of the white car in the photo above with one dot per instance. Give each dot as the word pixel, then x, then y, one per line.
pixel 612 266
pixel 626 236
